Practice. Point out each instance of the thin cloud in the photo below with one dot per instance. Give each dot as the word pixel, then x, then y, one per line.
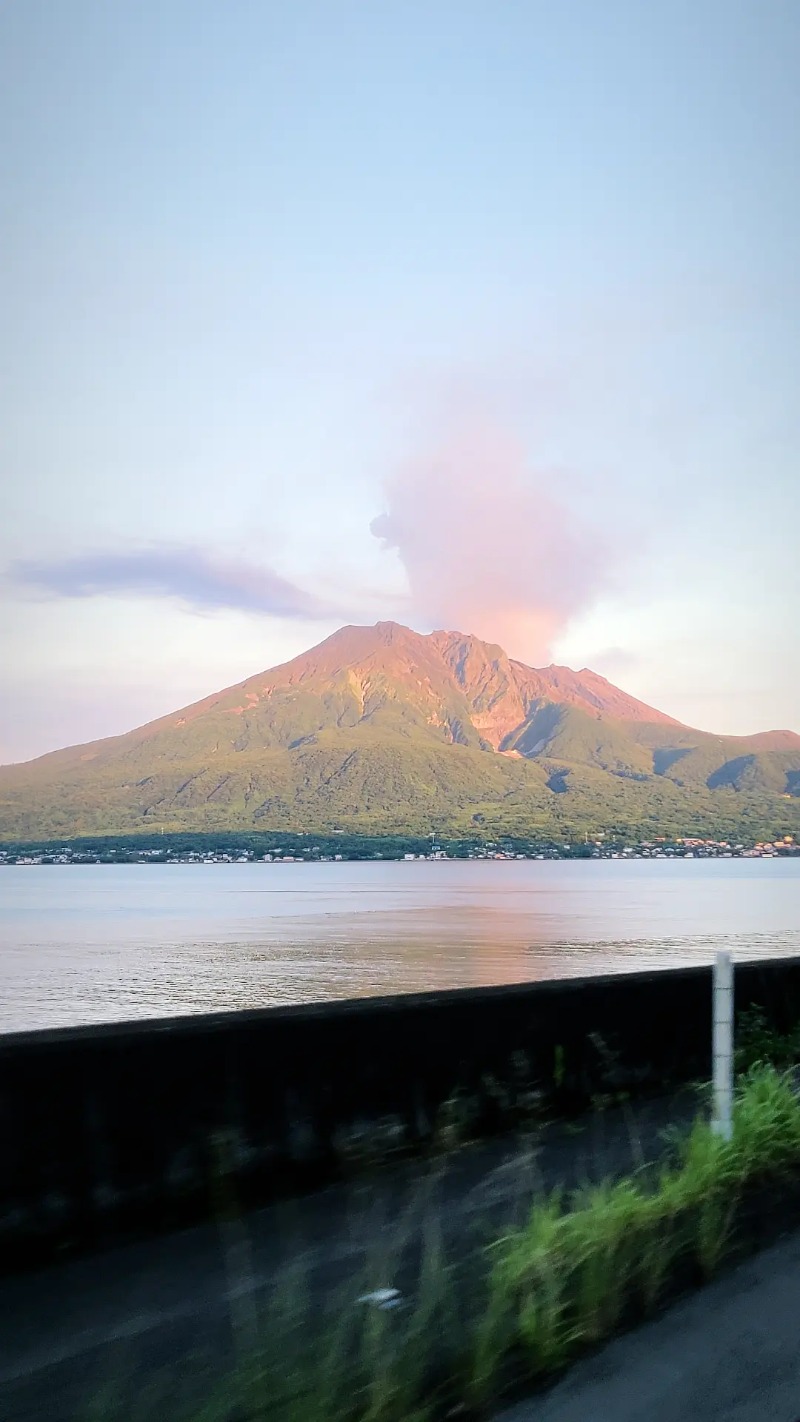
pixel 192 575
pixel 615 660
pixel 490 545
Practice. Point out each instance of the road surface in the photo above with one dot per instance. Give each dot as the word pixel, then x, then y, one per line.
pixel 728 1353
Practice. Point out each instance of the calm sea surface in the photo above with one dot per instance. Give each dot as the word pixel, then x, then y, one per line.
pixel 105 943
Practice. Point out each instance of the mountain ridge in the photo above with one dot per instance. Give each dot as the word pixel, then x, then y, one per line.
pixel 383 727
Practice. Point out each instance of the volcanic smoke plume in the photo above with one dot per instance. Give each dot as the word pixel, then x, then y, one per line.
pixel 489 547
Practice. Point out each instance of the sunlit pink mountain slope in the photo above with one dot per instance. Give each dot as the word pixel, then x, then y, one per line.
pixel 383 728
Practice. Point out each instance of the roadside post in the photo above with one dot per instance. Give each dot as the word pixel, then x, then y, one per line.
pixel 722 1046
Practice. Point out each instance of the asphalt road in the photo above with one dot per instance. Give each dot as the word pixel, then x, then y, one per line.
pixel 728 1353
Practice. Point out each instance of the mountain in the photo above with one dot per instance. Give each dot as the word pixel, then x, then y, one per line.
pixel 384 729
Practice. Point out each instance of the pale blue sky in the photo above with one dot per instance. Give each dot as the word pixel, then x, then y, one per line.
pixel 270 271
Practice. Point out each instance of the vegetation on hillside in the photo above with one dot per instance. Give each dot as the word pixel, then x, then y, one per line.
pixel 380 787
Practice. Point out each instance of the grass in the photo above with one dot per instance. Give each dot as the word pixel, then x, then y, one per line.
pixel 757 1041
pixel 577 1269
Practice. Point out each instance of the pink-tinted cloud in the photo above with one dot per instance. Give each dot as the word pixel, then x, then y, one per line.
pixel 490 545
pixel 613 661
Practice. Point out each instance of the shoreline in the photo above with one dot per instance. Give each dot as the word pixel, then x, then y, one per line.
pixel 578 854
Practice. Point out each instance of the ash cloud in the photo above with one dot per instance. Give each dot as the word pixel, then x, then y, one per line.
pixel 490 546
pixel 192 575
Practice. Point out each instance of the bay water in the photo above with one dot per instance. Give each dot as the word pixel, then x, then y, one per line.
pixel 102 943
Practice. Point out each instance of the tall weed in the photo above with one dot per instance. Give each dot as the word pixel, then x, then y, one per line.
pixel 573 1272
pixel 580 1267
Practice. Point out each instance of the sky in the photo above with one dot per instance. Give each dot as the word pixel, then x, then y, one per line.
pixel 475 315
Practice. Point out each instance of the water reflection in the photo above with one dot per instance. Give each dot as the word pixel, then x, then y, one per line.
pixel 102 943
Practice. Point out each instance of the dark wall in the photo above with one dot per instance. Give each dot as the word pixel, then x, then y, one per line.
pixel 149 1123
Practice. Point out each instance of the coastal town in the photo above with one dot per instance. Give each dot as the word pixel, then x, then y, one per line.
pixel 309 851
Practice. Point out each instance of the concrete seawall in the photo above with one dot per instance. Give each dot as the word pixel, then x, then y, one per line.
pixel 151 1124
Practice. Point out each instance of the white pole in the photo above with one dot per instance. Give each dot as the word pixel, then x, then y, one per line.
pixel 722 1122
